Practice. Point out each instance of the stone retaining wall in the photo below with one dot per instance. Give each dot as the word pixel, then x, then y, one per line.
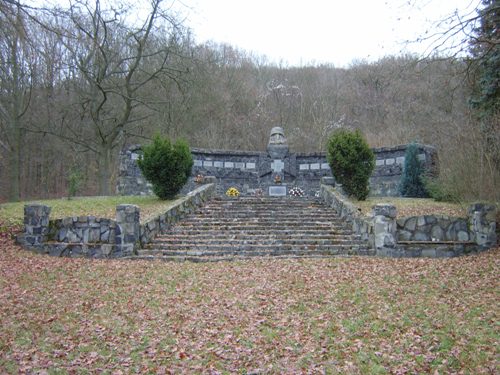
pixel 91 237
pixel 251 170
pixel 420 236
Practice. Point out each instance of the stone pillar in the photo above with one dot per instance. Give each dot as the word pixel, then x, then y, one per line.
pixel 482 224
pixel 36 225
pixel 384 226
pixel 127 237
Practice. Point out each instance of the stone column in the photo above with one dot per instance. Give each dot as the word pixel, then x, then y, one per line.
pixel 482 224
pixel 36 225
pixel 127 237
pixel 384 226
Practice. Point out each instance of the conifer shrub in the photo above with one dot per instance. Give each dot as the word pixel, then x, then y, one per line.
pixel 166 166
pixel 412 183
pixel 351 161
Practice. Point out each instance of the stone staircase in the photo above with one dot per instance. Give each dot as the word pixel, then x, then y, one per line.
pixel 227 229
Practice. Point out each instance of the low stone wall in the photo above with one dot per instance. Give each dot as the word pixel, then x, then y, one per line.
pixel 91 237
pixel 420 236
pixel 251 170
pixel 183 207
pixel 433 228
pixel 348 212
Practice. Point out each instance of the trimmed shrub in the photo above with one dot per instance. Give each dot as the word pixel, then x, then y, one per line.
pixel 351 161
pixel 412 182
pixel 166 166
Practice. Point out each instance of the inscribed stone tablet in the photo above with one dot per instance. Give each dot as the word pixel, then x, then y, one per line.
pixel 277 165
pixel 228 164
pixel 315 166
pixel 303 167
pixel 218 164
pixel 277 191
pixel 207 163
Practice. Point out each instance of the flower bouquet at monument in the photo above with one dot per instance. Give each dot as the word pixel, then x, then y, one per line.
pixel 232 192
pixel 296 192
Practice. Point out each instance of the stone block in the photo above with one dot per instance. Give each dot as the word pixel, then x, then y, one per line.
pixel 421 236
pixel 218 164
pixel 208 164
pixel 303 167
pixel 411 224
pixel 228 164
pixel 250 166
pixel 379 162
pixel 315 166
pixel 400 160
pixel 437 233
pixel 387 210
pixel 463 236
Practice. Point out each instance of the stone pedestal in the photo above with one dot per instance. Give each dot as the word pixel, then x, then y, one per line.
pixel 127 237
pixel 36 225
pixel 384 226
pixel 482 224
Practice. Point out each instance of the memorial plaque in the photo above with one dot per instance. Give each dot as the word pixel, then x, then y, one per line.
pixel 277 191
pixel 277 165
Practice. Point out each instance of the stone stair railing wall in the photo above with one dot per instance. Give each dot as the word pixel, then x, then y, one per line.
pixel 426 236
pixel 250 170
pixel 91 237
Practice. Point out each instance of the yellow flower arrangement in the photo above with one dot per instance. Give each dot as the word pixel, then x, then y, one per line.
pixel 232 192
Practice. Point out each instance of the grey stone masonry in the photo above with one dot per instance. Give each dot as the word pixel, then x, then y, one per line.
pixel 249 171
pixel 36 225
pixel 127 237
pixel 91 237
pixel 433 236
pixel 482 223
pixel 384 227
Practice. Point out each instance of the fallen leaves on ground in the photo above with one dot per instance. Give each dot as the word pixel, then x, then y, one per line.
pixel 345 315
pixel 407 207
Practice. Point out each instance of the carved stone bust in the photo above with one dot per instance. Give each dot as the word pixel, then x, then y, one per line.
pixel 278 145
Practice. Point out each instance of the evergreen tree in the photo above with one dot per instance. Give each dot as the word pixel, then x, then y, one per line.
pixel 485 51
pixel 352 161
pixel 167 166
pixel 412 183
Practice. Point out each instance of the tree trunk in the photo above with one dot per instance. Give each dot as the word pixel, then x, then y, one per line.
pixel 104 170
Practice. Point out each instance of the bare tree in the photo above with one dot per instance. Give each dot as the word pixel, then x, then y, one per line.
pixel 113 64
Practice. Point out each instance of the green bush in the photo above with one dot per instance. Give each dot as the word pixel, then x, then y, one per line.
pixel 167 166
pixel 440 192
pixel 352 161
pixel 412 180
pixel 75 181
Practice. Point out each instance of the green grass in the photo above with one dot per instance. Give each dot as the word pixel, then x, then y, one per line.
pixel 105 207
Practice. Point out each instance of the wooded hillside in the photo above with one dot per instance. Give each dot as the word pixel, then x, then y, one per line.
pixel 79 84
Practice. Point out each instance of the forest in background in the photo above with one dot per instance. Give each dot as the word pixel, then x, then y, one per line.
pixel 78 84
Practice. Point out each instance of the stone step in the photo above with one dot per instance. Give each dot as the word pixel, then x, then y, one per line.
pixel 193 243
pixel 256 251
pixel 208 236
pixel 228 229
pixel 231 258
pixel 266 231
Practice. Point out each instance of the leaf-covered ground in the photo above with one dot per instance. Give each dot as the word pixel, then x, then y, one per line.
pixel 415 206
pixel 348 315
